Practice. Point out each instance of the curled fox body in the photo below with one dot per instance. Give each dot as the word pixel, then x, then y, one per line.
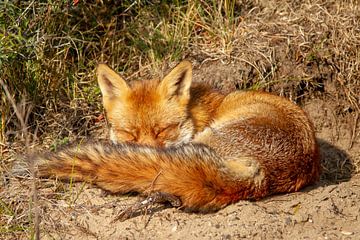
pixel 187 140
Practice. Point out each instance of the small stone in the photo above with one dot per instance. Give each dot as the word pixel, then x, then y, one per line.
pixel 288 221
pixel 347 233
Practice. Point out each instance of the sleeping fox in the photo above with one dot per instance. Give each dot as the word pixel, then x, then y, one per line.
pixel 192 142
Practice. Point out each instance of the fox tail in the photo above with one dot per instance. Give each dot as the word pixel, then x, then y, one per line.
pixel 192 172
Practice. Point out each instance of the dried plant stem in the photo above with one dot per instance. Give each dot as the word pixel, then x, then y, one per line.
pixel 22 119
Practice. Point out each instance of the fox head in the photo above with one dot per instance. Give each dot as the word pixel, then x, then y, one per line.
pixel 149 112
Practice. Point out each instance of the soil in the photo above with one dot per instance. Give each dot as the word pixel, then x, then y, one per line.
pixel 328 210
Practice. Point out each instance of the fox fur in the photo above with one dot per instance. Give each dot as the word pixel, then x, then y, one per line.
pixel 190 141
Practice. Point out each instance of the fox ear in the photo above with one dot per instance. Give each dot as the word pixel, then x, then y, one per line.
pixel 177 82
pixel 111 84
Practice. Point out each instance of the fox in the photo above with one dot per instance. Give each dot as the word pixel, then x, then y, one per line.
pixel 190 141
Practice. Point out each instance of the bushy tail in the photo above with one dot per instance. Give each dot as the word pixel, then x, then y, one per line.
pixel 192 172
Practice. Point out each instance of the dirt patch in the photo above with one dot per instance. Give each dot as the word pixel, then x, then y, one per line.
pixel 320 212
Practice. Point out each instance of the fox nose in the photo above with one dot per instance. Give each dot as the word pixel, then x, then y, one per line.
pixel 148 140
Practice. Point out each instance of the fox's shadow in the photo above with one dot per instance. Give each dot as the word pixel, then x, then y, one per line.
pixel 337 165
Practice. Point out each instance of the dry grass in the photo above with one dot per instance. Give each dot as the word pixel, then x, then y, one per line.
pixel 49 50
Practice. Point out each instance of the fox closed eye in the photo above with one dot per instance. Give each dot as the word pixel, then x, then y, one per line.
pixel 127 135
pixel 168 130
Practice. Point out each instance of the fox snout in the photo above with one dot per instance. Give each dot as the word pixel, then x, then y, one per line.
pixel 150 141
pixel 145 139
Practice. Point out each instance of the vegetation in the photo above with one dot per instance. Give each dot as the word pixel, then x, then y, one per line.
pixel 49 51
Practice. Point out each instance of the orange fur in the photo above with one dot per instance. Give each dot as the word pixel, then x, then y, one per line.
pixel 190 141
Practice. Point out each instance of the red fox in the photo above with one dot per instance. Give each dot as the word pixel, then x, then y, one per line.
pixel 189 141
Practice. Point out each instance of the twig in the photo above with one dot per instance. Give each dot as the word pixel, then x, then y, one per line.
pixel 156 197
pixel 153 182
pixel 153 197
pixel 353 132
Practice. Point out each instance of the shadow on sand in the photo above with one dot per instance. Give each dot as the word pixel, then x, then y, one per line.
pixel 337 165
